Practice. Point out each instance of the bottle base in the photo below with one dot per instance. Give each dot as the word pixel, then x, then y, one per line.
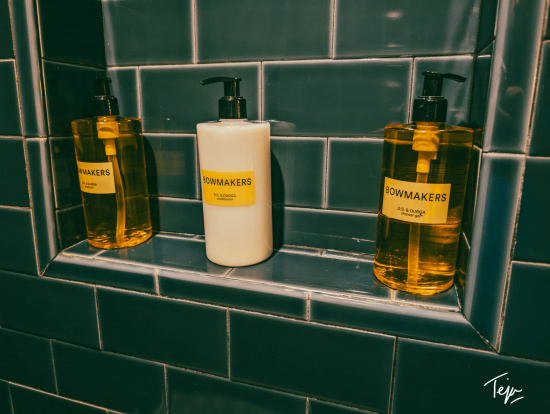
pixel 135 238
pixel 425 285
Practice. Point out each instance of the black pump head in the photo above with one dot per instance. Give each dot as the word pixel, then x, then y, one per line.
pixel 231 105
pixel 103 103
pixel 431 106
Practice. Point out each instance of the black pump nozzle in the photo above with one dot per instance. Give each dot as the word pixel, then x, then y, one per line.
pixel 103 103
pixel 431 106
pixel 231 105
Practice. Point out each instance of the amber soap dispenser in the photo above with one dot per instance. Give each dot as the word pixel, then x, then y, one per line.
pixel 111 170
pixel 424 174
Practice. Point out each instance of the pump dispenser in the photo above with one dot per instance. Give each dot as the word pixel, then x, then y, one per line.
pixel 424 175
pixel 235 162
pixel 111 169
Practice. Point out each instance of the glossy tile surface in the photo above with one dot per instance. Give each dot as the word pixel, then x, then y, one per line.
pixel 471 192
pixel 293 159
pixel 6 41
pixel 394 28
pixel 165 330
pixel 354 167
pixel 320 407
pixel 263 29
pixel 49 308
pixel 233 293
pixel 526 332
pixel 27 401
pixel 111 381
pixel 5 398
pixel 360 376
pixel 143 32
pixel 17 243
pixel 369 95
pixel 487 22
pixel 540 141
pixel 66 184
pixel 470 370
pixel 72 31
pixel 177 215
pixel 71 227
pixel 171 252
pixel 125 88
pixel 27 360
pixel 82 248
pixel 174 100
pixel 193 393
pixel 10 121
pixel 532 243
pixel 480 90
pixel 13 185
pixel 171 166
pixel 444 300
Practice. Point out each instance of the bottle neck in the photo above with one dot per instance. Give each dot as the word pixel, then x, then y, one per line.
pixel 429 125
pixel 233 120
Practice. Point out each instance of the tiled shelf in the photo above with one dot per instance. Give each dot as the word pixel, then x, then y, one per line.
pixel 312 285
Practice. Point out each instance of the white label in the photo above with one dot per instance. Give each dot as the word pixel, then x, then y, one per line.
pixel 416 202
pixel 96 177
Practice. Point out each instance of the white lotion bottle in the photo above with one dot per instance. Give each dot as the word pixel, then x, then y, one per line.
pixel 235 164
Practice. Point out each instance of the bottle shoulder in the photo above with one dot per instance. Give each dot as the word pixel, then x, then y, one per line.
pixel 241 123
pixel 428 125
pixel 111 118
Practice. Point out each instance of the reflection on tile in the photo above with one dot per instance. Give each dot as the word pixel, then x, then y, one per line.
pixel 100 272
pixel 405 28
pixel 40 306
pixel 320 407
pixel 540 144
pixel 171 167
pixel 65 173
pixel 113 381
pixel 125 88
pixel 193 336
pixel 10 121
pixel 471 192
pixel 526 332
pixel 234 293
pixel 193 393
pixel 72 31
pixel 354 167
pixel 71 227
pixel 462 266
pixel 491 240
pixel 83 249
pixel 316 272
pixel 480 89
pixel 175 101
pixel 457 94
pixel 176 215
pixel 263 30
pixel 14 189
pixel 171 252
pixel 17 243
pixel 26 359
pixel 532 232
pixel 368 94
pixel 471 369
pixel 6 41
pixel 142 32
pixel 487 22
pixel 445 300
pixel 5 399
pixel 292 160
pixel 360 376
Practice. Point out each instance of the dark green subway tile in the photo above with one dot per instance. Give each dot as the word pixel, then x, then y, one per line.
pixel 456 93
pixel 49 308
pixel 125 88
pixel 194 393
pixel 71 226
pixel 14 186
pixel 83 248
pixel 171 165
pixel 480 94
pixel 174 100
pixel 10 120
pixel 100 272
pixel 526 332
pixel 354 97
pixel 112 381
pixel 298 171
pixel 175 215
pixel 68 91
pixel 145 32
pixel 354 167
pixel 6 41
pixel 5 398
pixel 165 330
pixel 445 300
pixel 320 407
pixel 301 358
pixel 26 359
pixel 428 377
pixel 64 172
pixel 265 29
pixel 17 242
pixel 462 266
pixel 27 401
pixel 424 27
pixel 471 192
pixel 395 319
pixel 487 22
pixel 169 251
pixel 540 144
pixel 72 31
pixel 317 272
pixel 233 293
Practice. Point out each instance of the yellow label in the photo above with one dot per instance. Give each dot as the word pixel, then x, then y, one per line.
pixel 96 177
pixel 230 189
pixel 416 202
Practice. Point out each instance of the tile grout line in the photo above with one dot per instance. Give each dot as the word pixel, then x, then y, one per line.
pixel 166 388
pixel 228 346
pixel 54 370
pixel 308 307
pixel 194 29
pixel 332 31
pixel 307 405
pixel 326 175
pixel 11 399
pixel 261 103
pixel 411 90
pixel 100 339
pixel 138 84
pixel 393 371
pixel 156 276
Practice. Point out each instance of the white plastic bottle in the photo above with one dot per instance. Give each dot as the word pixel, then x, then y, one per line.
pixel 235 164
